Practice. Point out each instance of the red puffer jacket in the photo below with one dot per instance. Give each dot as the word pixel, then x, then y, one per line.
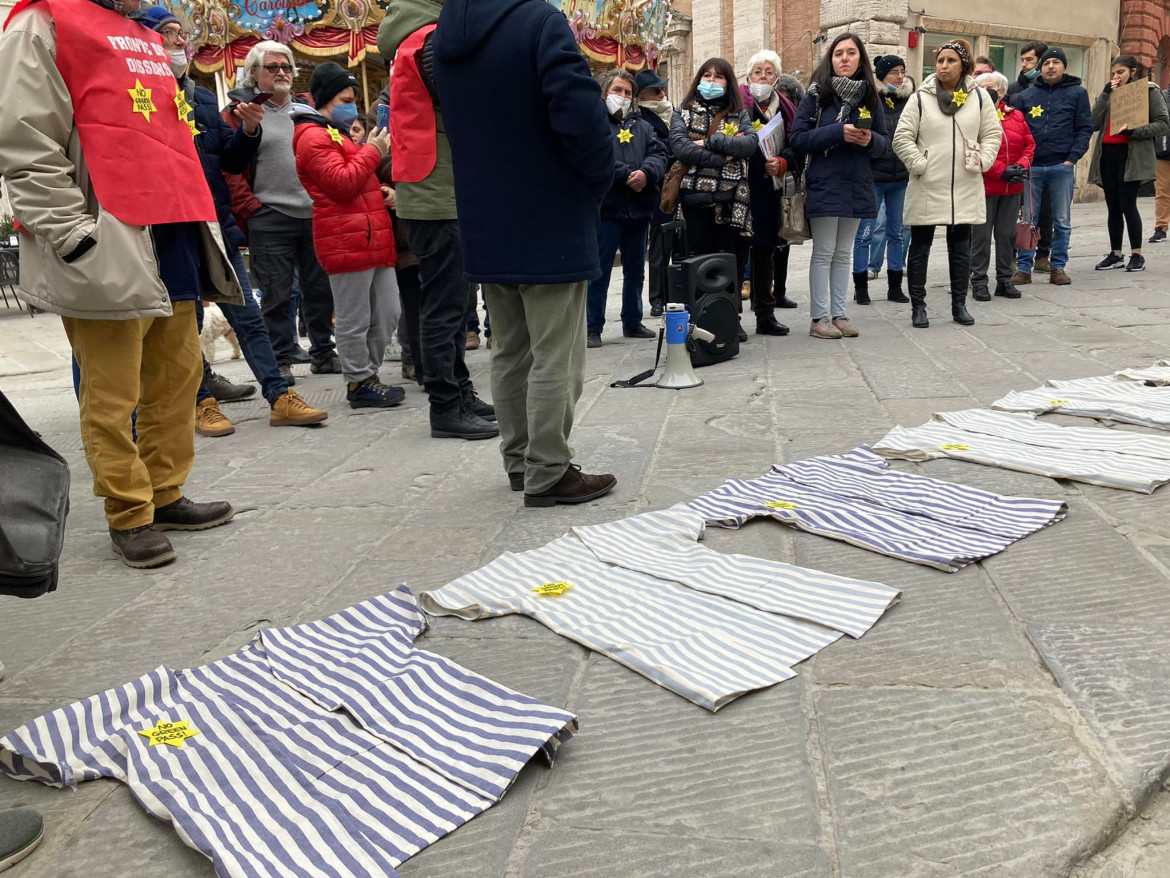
pixel 1016 148
pixel 351 227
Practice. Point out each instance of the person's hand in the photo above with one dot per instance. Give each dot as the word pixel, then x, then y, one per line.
pixel 380 140
pixel 250 115
pixel 1109 86
pixel 637 181
pixel 389 198
pixel 1013 174
pixel 776 167
pixel 860 136
pixel 1122 129
pixel 1071 164
pixel 701 144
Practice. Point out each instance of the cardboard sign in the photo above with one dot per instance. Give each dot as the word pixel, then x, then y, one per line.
pixel 1130 106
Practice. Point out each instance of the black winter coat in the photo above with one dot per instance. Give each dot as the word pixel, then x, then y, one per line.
pixel 765 196
pixel 887 167
pixel 644 153
pixel 662 132
pixel 532 151
pixel 840 179
pixel 1060 118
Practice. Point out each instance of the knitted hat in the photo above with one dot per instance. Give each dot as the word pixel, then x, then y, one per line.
pixel 1054 52
pixel 885 63
pixel 327 80
pixel 157 17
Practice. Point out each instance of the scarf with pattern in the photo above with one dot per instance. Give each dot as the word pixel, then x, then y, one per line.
pixel 731 177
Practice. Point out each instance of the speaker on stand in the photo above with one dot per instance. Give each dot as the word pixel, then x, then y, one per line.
pixel 706 286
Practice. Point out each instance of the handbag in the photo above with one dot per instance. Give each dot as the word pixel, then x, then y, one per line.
pixel 672 182
pixel 1027 235
pixel 794 224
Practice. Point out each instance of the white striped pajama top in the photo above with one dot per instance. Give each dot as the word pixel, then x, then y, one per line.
pixel 1105 397
pixel 856 498
pixel 329 749
pixel 1111 458
pixel 1158 374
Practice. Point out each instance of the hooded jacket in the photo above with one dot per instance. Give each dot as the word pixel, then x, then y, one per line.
pixel 432 198
pixel 533 153
pixel 1016 148
pixel 351 226
pixel 942 192
pixel 642 152
pixel 1060 119
pixel 887 167
pixel 1141 161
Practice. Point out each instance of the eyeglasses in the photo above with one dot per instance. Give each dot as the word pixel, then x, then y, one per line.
pixel 278 68
pixel 176 34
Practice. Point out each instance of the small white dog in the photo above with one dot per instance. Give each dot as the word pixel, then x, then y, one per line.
pixel 215 326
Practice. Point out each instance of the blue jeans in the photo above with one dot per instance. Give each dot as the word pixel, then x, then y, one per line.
pixel 873 235
pixel 630 236
pixel 252 336
pixel 1058 181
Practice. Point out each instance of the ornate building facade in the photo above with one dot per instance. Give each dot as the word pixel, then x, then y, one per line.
pixel 1145 32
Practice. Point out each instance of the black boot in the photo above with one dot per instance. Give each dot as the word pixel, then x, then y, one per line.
pixel 959 263
pixel 980 293
pixel 766 324
pixel 895 294
pixel 458 422
pixel 861 287
pixel 916 281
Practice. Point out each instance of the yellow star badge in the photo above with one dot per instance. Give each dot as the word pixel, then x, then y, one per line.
pixel 757 125
pixel 1001 115
pixel 141 102
pixel 335 135
pixel 959 98
pixel 552 589
pixel 1037 112
pixel 185 109
pixel 864 113
pixel 890 103
pixel 730 129
pixel 172 734
pixel 625 136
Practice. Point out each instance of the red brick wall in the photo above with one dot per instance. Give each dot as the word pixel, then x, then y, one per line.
pixel 1144 24
pixel 797 23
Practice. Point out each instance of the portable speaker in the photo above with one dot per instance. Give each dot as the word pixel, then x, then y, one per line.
pixel 700 275
pixel 707 286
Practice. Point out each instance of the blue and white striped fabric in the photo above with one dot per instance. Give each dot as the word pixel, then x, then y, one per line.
pixel 1158 374
pixel 1105 397
pixel 856 498
pixel 1111 458
pixel 331 749
pixel 705 639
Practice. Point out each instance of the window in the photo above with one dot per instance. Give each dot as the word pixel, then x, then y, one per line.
pixel 1006 55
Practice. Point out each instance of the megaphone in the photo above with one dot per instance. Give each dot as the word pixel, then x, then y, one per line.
pixel 679 374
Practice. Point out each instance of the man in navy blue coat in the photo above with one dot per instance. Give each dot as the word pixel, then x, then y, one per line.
pixel 533 157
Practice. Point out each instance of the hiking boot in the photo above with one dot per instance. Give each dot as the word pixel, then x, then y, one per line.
pixel 371 393
pixel 185 514
pixel 1044 264
pixel 300 355
pixel 477 406
pixel 142 547
pixel 847 329
pixel 1006 290
pixel 516 481
pixel 210 421
pixel 459 423
pixel 574 487
pixel 894 293
pixel 225 391
pixel 593 340
pixel 472 342
pixel 824 329
pixel 1137 262
pixel 21 830
pixel 330 364
pixel 782 301
pixel 980 294
pixel 1159 235
pixel 861 287
pixel 286 373
pixel 1020 278
pixel 639 331
pixel 290 410
pixel 767 324
pixel 1111 260
pixel 1060 277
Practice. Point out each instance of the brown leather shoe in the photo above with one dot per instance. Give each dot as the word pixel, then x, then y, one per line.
pixel 1043 264
pixel 472 342
pixel 142 547
pixel 290 410
pixel 574 487
pixel 1060 277
pixel 184 514
pixel 1020 278
pixel 210 421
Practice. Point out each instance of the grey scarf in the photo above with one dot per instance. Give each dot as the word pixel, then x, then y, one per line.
pixel 851 92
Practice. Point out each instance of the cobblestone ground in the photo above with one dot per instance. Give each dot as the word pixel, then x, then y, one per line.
pixel 1007 720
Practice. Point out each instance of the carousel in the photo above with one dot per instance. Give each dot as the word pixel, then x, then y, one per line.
pixel 625 33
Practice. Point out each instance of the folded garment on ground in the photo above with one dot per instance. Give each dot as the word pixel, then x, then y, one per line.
pixel 328 749
pixel 1107 397
pixel 1158 374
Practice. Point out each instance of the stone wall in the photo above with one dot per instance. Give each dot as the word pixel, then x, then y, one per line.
pixel 879 23
pixel 1144 25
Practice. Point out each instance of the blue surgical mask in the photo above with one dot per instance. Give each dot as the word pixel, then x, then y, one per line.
pixel 891 87
pixel 711 90
pixel 343 114
pixel 1032 74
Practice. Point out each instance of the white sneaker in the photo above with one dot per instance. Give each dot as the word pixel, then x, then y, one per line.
pixel 872 274
pixel 394 350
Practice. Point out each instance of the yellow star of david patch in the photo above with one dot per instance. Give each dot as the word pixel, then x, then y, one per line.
pixel 959 98
pixel 1002 115
pixel 140 100
pixel 171 734
pixel 864 113
pixel 335 135
pixel 730 129
pixel 890 103
pixel 1037 112
pixel 185 109
pixel 625 136
pixel 552 589
pixel 757 125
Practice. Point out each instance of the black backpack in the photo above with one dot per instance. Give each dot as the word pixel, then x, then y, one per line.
pixel 34 501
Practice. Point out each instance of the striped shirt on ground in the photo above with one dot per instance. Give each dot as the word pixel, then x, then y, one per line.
pixel 1136 396
pixel 329 749
pixel 855 497
pixel 705 625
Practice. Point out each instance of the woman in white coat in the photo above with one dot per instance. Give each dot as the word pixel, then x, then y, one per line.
pixel 949 134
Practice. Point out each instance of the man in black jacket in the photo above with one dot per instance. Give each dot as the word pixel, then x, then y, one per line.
pixel 657 111
pixel 1030 55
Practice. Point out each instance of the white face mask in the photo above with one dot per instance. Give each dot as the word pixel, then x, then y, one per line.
pixel 617 105
pixel 178 61
pixel 761 91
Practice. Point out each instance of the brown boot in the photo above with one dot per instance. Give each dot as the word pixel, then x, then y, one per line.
pixel 472 342
pixel 142 547
pixel 185 514
pixel 574 487
pixel 1060 277
pixel 290 410
pixel 1020 278
pixel 210 421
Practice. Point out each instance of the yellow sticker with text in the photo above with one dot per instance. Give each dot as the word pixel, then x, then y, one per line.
pixel 141 101
pixel 780 504
pixel 1059 402
pixel 954 446
pixel 730 129
pixel 552 589
pixel 173 734
pixel 335 135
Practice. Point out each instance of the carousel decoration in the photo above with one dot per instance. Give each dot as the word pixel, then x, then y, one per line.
pixel 619 33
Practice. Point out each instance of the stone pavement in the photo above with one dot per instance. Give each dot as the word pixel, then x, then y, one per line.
pixel 1006 720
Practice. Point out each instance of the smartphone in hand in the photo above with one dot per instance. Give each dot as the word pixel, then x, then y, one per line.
pixel 262 98
pixel 383 117
pixel 865 122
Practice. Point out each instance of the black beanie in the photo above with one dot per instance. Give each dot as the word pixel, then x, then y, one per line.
pixel 1054 52
pixel 885 63
pixel 327 80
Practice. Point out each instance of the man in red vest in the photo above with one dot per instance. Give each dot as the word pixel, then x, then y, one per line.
pixel 118 236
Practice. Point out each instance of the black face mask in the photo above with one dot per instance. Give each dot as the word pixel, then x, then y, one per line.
pixel 994 95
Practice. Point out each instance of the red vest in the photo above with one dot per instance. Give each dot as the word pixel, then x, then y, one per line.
pixel 139 148
pixel 412 114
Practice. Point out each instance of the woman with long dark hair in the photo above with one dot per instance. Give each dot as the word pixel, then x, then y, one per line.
pixel 712 133
pixel 840 126
pixel 1123 159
